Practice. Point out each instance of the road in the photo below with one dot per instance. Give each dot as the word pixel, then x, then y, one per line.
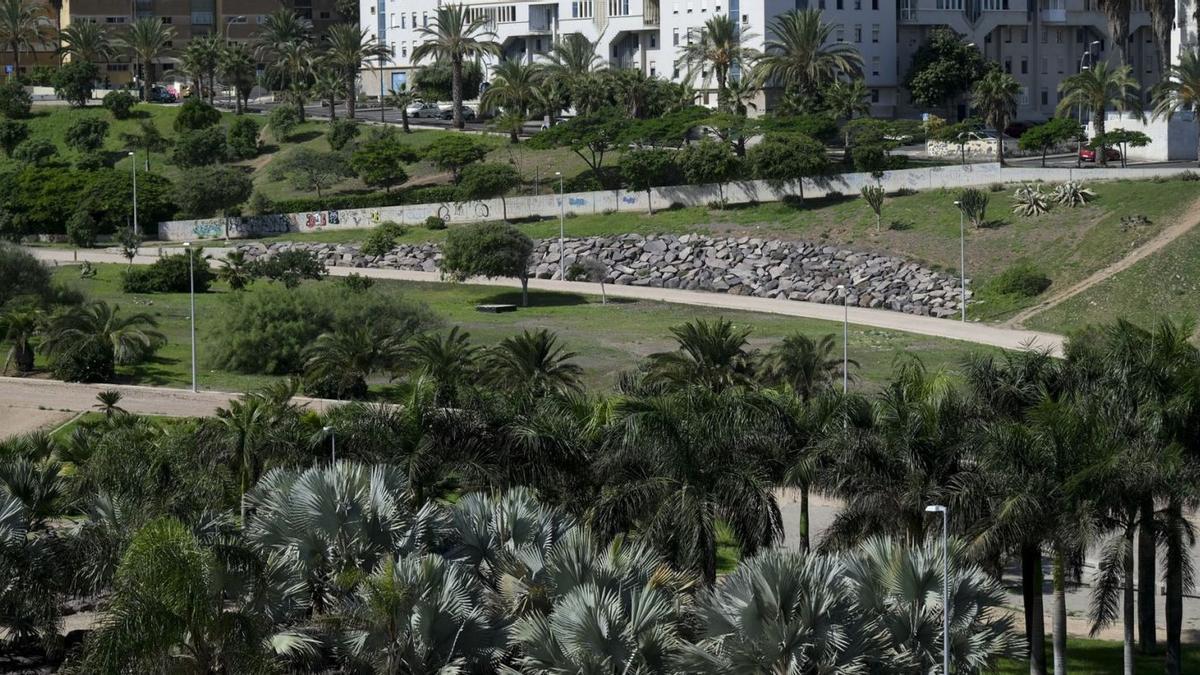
pixel 983 334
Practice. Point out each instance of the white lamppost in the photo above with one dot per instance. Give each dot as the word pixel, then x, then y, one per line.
pixel 938 508
pixel 192 301
pixel 332 444
pixel 1086 56
pixel 845 339
pixel 562 227
pixel 133 161
pixel 962 259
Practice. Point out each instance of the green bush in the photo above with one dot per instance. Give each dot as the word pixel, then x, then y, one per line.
pixel 91 161
pixel 196 114
pixel 86 134
pixel 290 267
pixel 15 102
pixel 341 132
pixel 91 362
pixel 73 82
pixel 120 103
pixel 357 283
pixel 82 229
pixel 35 151
pixel 260 204
pixel 12 134
pixel 139 280
pixel 382 239
pixel 435 223
pixel 169 274
pixel 199 147
pixel 267 331
pixel 283 121
pixel 242 139
pixel 1022 279
pixel 22 275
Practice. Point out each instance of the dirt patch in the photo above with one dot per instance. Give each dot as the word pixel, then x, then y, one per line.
pixel 15 421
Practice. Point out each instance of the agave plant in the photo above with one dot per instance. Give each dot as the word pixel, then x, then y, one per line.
pixel 1030 200
pixel 1073 193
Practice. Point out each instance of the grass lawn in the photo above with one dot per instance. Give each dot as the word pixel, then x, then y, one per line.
pixel 607 338
pixel 1101 657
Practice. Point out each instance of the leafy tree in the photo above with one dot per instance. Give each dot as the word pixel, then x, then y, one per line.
pixel 347 47
pixel 149 39
pixel 1052 133
pixel 205 191
pixel 1179 88
pixel 382 238
pixel 171 274
pixel 512 88
pixel 801 54
pixel 242 138
pixel 995 97
pixel 1096 89
pixel 488 181
pixel 86 134
pixel 73 82
pixel 709 162
pixel 379 160
pixel 82 229
pixel 943 68
pixel 291 267
pixel 435 81
pixel 200 147
pixel 235 270
pixel 12 134
pixel 118 102
pixel 310 170
pixel 644 169
pixel 283 121
pixel 108 196
pixel 454 151
pixel 35 151
pixel 488 250
pixel 589 135
pixel 341 133
pixel 194 114
pixel 1122 138
pixel 15 101
pixel 454 36
pixel 786 158
pixel 85 342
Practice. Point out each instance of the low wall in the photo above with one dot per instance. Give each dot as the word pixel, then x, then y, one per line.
pixel 608 201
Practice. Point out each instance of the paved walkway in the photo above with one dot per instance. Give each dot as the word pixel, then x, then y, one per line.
pixel 1007 338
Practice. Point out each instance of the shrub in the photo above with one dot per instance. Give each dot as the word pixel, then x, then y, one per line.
pixel 283 121
pixel 139 280
pixel 82 229
pixel 91 362
pixel 120 103
pixel 196 114
pixel 382 239
pixel 213 190
pixel 260 204
pixel 435 223
pixel 341 132
pixel 996 187
pixel 73 82
pixel 35 151
pixel 1189 176
pixel 904 192
pixel 169 274
pixel 357 283
pixel 1030 200
pixel 86 134
pixel 22 275
pixel 488 250
pixel 452 152
pixel 242 138
pixel 199 147
pixel 1022 279
pixel 1073 194
pixel 91 161
pixel 973 204
pixel 15 101
pixel 267 331
pixel 12 134
pixel 290 267
pixel 429 195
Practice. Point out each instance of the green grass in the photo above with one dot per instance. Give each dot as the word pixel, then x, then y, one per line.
pixel 607 339
pixel 1102 657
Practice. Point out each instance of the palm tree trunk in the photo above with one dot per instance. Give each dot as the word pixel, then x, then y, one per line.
pixel 1098 127
pixel 404 120
pixel 721 77
pixel 805 544
pixel 1147 638
pixel 456 93
pixel 1174 582
pixel 1035 621
pixel 650 200
pixel 332 109
pixel 524 290
pixel 1000 146
pixel 351 96
pixel 1127 602
pixel 1059 613
pixel 16 49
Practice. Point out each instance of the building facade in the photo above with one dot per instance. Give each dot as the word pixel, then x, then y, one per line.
pixel 1039 42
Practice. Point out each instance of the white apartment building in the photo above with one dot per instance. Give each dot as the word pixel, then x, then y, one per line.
pixel 1038 41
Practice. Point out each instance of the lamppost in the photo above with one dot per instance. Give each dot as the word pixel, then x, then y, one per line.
pixel 332 444
pixel 562 219
pixel 192 300
pixel 1086 56
pixel 962 259
pixel 938 508
pixel 845 339
pixel 133 161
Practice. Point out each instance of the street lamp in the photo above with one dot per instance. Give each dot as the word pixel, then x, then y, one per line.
pixel 562 219
pixel 938 508
pixel 845 339
pixel 332 444
pixel 192 299
pixel 962 259
pixel 1086 56
pixel 133 161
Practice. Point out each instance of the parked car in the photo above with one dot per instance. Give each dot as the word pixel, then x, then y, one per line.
pixel 424 110
pixel 467 113
pixel 1089 154
pixel 160 94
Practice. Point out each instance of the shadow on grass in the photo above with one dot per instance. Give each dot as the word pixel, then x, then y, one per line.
pixel 305 136
pixel 544 299
pixel 156 371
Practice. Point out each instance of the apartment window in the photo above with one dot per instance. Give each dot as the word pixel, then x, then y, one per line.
pixel 653 42
pixel 820 4
pixel 1024 66
pixel 1045 96
pixel 857 33
pixel 839 4
pixel 875 6
pixel 404 51
pixel 425 19
pixel 875 33
pixel 1024 35
pixel 1078 36
pixel 875 66
pixel 324 15
pixel 1023 96
pixel 874 96
pixel 675 74
pixel 117 67
pixel 1060 66
pixel 857 4
pixel 675 37
pixel 1007 35
pixel 114 19
pixel 1045 34
pixel 745 18
pixel 414 21
pixel 706 98
pixel 689 36
pixel 1058 35
pixel 1043 65
pixel 841 34
pixel 1008 64
pixel 403 22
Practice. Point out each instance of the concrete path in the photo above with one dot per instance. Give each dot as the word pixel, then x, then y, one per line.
pixel 1007 338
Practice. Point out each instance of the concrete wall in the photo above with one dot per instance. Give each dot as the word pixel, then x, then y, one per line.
pixel 1169 140
pixel 605 201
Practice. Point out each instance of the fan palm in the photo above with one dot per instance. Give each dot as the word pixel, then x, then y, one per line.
pixel 19 326
pixel 87 41
pixel 711 355
pixel 31 579
pixel 235 270
pixel 38 484
pixel 148 38
pixel 108 402
pixel 1180 89
pixel 339 363
pixel 1096 89
pixel 801 55
pixel 128 338
pixel 720 46
pixel 449 360
pixel 513 86
pixel 24 24
pixel 995 97
pixel 534 363
pixel 237 70
pixel 454 36
pixel 347 47
pixel 200 59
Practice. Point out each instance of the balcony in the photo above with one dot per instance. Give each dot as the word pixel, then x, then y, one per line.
pixel 202 18
pixel 908 14
pixel 651 14
pixel 542 18
pixel 1054 16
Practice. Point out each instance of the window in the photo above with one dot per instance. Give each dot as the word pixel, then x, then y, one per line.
pixel 841 35
pixel 1045 33
pixel 1058 35
pixel 652 69
pixel 839 4
pixel 114 19
pixel 875 6
pixel 1045 96
pixel 404 51
pixel 857 33
pixel 1043 65
pixel 402 21
pixel 857 4
pixel 1024 66
pixel 653 42
pixel 1060 65
pixel 425 19
pixel 820 4
pixel 117 67
pixel 675 74
pixel 875 33
pixel 875 66
pixel 675 37
pixel 1008 64
pixel 1024 34
pixel 874 96
pixel 324 15
pixel 1007 34
pixel 167 19
pixel 745 18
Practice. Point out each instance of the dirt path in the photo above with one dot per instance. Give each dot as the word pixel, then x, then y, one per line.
pixel 1186 221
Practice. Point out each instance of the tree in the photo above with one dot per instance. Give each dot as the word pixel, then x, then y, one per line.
pixel 847 100
pixel 1122 138
pixel 235 270
pixel 436 80
pixel 196 114
pixel 379 160
pixel 400 100
pixel 19 326
pixel 452 152
pixel 710 162
pixel 236 67
pixel 1117 12
pixel 87 341
pixel 455 36
pixel 714 356
pixel 12 134
pixel 973 203
pixel 310 170
pixel 512 88
pixel 86 134
pixel 87 41
pixel 943 68
pixel 347 47
pixel 149 39
pixel 15 101
pixel 1180 88
pixel 488 250
pixel 338 364
pixel 328 85
pixel 995 97
pixel 24 25
pixel 1052 133
pixel 1097 89
pixel 200 59
pixel 341 133
pixel 242 138
pixel 801 54
pixel 721 46
pixel 873 195
pixel 532 363
pixel 588 135
pixel 283 121
pixel 645 169
pixel 488 181
pixel 118 102
pixel 200 147
pixel 787 158
pixel 570 64
pixel 35 151
pixel 210 190
pixel 148 139
pixel 73 82
pixel 285 44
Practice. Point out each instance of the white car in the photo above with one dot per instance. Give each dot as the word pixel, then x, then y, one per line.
pixel 419 110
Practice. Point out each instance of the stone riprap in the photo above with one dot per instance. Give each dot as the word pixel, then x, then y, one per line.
pixel 766 268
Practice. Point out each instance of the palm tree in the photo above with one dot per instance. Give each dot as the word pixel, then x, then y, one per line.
pixel 401 100
pixel 24 24
pixel 569 65
pixel 449 360
pixel 125 339
pixel 710 355
pixel 347 47
pixel 805 365
pixel 801 55
pixel 200 59
pixel 294 70
pixel 32 590
pixel 235 270
pixel 1162 20
pixel 513 87
pixel 533 363
pixel 455 37
pixel 284 42
pixel 327 85
pixel 148 39
pixel 108 402
pixel 244 431
pixel 148 138
pixel 87 41
pixel 847 100
pixel 237 69
pixel 1180 89
pixel 995 97
pixel 1118 14
pixel 1095 90
pixel 721 46
pixel 339 363
pixel 19 326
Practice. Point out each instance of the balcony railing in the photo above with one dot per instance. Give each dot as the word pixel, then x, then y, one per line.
pixel 651 13
pixel 908 14
pixel 1054 16
pixel 202 18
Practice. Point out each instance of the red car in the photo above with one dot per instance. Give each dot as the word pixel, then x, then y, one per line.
pixel 1089 154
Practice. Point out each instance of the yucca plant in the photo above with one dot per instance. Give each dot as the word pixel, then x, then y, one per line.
pixel 873 196
pixel 1030 200
pixel 973 203
pixel 1073 193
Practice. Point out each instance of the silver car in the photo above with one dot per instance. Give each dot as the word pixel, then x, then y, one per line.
pixel 424 110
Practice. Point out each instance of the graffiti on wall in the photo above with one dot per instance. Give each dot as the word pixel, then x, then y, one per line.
pixel 208 230
pixel 628 199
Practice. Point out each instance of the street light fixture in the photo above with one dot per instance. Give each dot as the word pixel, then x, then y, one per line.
pixel 332 444
pixel 938 508
pixel 562 219
pixel 845 338
pixel 962 259
pixel 192 301
pixel 133 161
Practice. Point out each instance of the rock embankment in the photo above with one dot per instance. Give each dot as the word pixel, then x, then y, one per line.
pixel 766 268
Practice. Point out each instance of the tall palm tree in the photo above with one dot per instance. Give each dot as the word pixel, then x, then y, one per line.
pixel 1096 89
pixel 1162 20
pixel 805 365
pixel 293 70
pixel 513 85
pixel 1118 12
pixel 801 55
pixel 245 428
pixel 200 59
pixel 995 97
pixel 533 363
pixel 571 61
pixel 1180 89
pixel 19 326
pixel 87 41
pixel 24 24
pixel 237 70
pixel 712 355
pixel 720 46
pixel 127 339
pixel 347 47
pixel 284 42
pixel 148 39
pixel 339 363
pixel 455 37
